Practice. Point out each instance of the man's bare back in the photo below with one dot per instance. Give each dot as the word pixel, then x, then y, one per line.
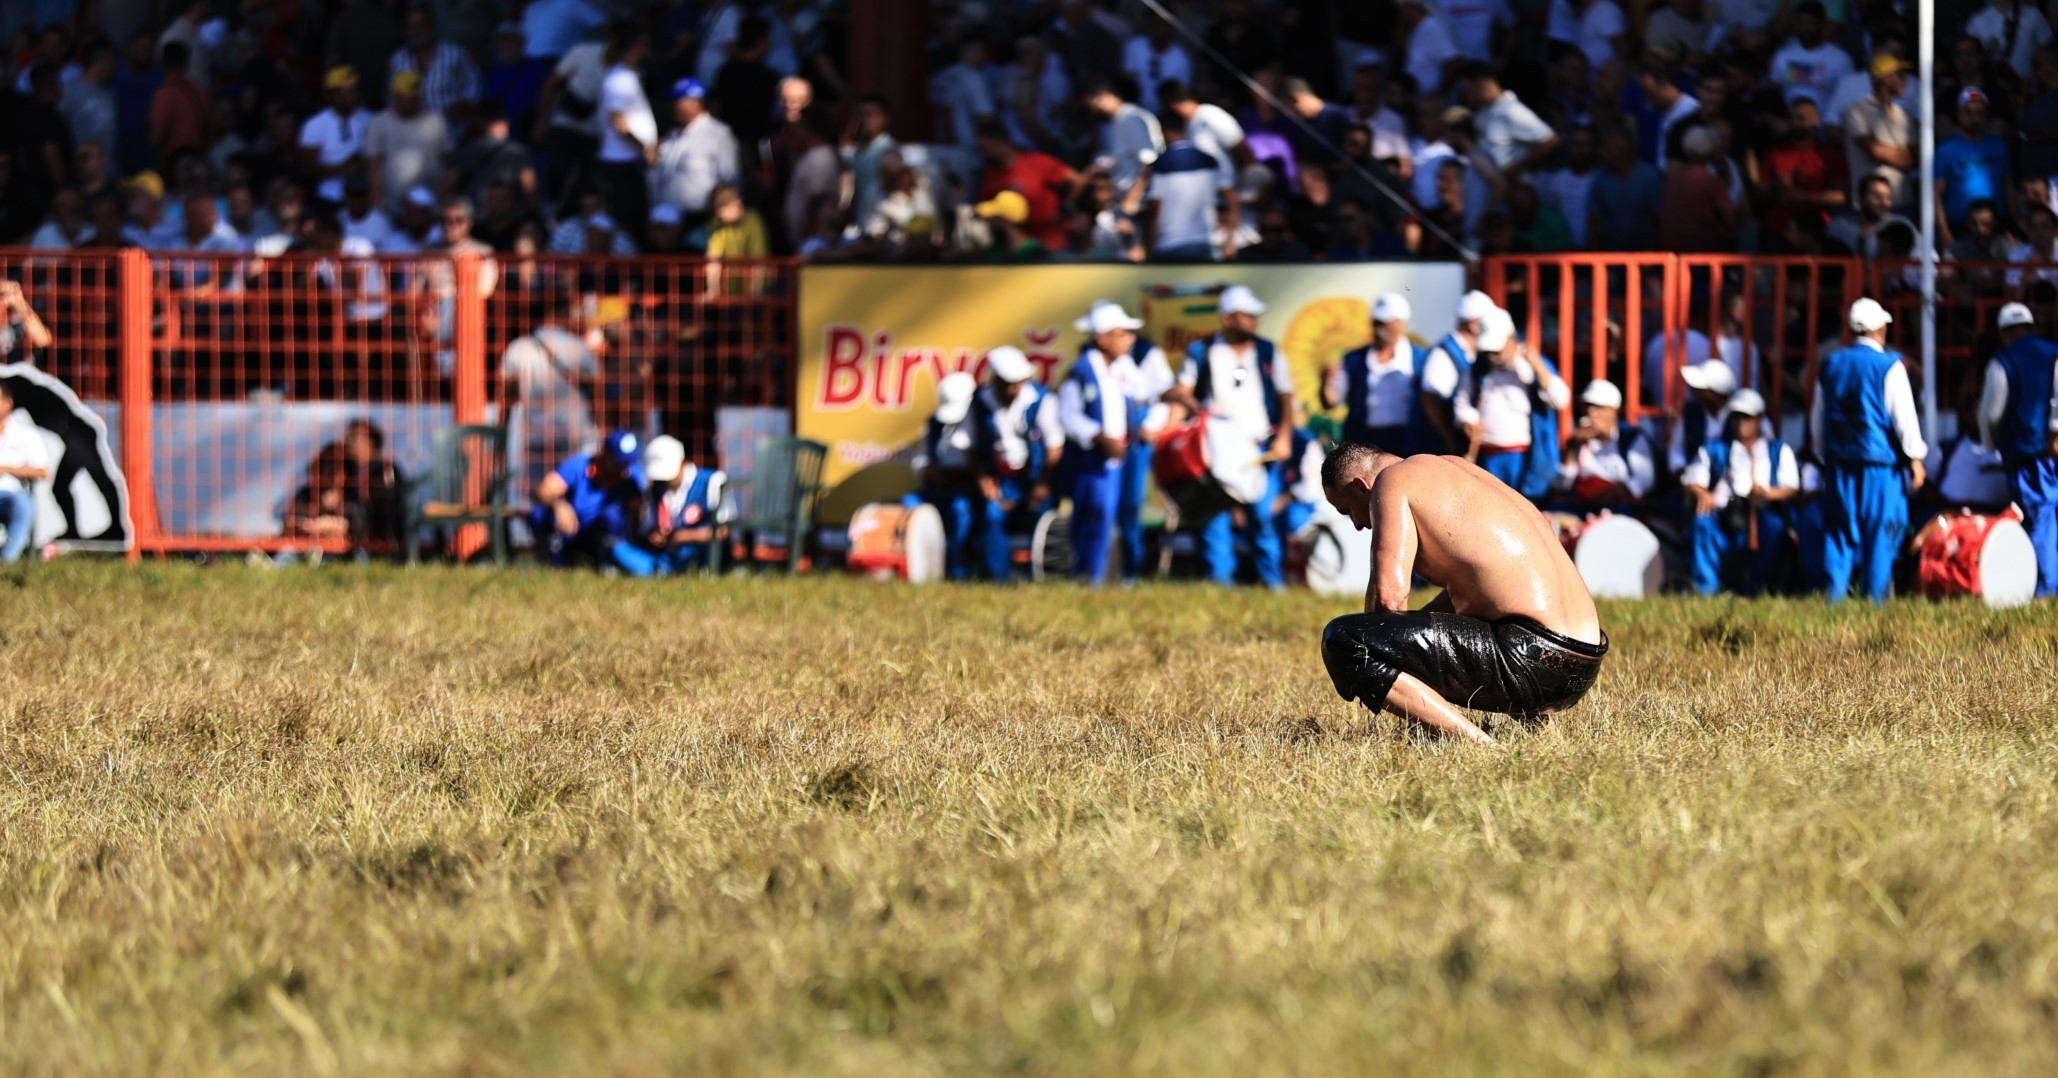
pixel 1486 545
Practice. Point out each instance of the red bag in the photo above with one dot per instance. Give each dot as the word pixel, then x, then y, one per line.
pixel 1182 454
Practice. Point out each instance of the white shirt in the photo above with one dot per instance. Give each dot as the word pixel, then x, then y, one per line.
pixel 1591 30
pixel 1603 458
pixel 1713 426
pixel 674 503
pixel 580 73
pixel 953 449
pixel 1993 401
pixel 2032 31
pixel 1236 396
pixel 1013 423
pixel 1125 138
pixel 1110 389
pixel 338 139
pixel 693 161
pixel 1472 23
pixel 1568 190
pixel 1151 67
pixel 1900 409
pixel 1971 475
pixel 1186 203
pixel 1428 158
pixel 1429 48
pixel 21 446
pixel 1686 106
pixel 1440 373
pixel 1750 467
pixel 1216 132
pixel 1509 129
pixel 1817 70
pixel 1504 409
pixel 373 228
pixel 621 93
pixel 1389 386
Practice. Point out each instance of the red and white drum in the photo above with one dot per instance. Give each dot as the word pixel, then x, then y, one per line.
pixel 1205 468
pixel 1967 553
pixel 889 540
pixel 1617 557
pixel 1339 556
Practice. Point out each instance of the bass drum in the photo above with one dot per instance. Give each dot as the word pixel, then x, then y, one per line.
pixel 1050 547
pixel 1618 558
pixel 1976 554
pixel 891 541
pixel 1339 557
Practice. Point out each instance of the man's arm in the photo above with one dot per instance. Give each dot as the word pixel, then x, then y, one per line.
pixel 1901 415
pixel 1393 548
pixel 1993 402
pixel 1539 152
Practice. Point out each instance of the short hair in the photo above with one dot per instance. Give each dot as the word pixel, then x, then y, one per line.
pixel 1295 87
pixel 1875 178
pixel 1171 123
pixel 1346 459
pixel 1174 92
pixel 992 128
pixel 176 54
pixel 1978 205
pixel 489 111
pixel 752 31
pixel 1479 71
pixel 2040 210
pixel 458 204
pixel 877 101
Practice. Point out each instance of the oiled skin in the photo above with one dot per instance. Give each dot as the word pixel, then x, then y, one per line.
pixel 1458 527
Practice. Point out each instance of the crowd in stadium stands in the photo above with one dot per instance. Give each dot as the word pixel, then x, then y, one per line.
pixel 1250 130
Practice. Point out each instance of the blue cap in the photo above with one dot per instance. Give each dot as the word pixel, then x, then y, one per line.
pixel 685 88
pixel 621 447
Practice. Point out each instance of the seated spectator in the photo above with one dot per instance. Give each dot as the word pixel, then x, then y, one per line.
pixel 319 509
pixel 735 231
pixel 1450 215
pixel 67 226
pixel 699 155
pixel 1980 240
pixel 1740 488
pixel 1711 387
pixel 404 145
pixel 1623 205
pixel 418 230
pixel 449 81
pixel 332 141
pixel 1004 215
pixel 373 483
pixel 904 220
pixel 679 513
pixel 1358 239
pixel 1810 62
pixel 1696 212
pixel 2037 254
pixel 502 217
pixel 149 227
pixel 1186 200
pixel 1858 230
pixel 1539 227
pixel 588 505
pixel 667 230
pixel 1970 165
pixel 362 220
pixel 1604 464
pixel 24 462
pixel 1507 405
pixel 573 235
pixel 489 156
pixel 1276 242
pixel 1804 173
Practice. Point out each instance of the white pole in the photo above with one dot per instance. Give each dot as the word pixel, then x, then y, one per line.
pixel 1926 35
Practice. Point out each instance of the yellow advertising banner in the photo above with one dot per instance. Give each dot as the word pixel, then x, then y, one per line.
pixel 875 340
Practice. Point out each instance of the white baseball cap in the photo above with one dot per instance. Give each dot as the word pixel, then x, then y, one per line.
pixel 1236 299
pixel 1106 315
pixel 2014 314
pixel 1008 364
pixel 1475 305
pixel 1867 315
pixel 1602 393
pixel 1712 375
pixel 664 458
pixel 1747 402
pixel 1498 331
pixel 1392 307
pixel 954 397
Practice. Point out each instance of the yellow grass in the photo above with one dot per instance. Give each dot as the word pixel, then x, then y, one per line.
pixel 380 822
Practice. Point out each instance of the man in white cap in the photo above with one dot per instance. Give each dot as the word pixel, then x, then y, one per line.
pixel 1865 430
pixel 2018 416
pixel 1105 405
pixel 1438 376
pixel 1239 378
pixel 945 465
pixel 1375 384
pixel 1018 440
pixel 679 513
pixel 1742 488
pixel 1503 396
pixel 1709 386
pixel 1604 464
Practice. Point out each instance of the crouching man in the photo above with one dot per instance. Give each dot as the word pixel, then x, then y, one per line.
pixel 1514 631
pixel 678 513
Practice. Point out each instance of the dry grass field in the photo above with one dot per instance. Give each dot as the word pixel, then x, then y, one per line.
pixel 382 822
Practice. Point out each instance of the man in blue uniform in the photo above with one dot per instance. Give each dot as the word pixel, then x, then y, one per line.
pixel 1240 379
pixel 588 504
pixel 1741 489
pixel 1017 441
pixel 1508 407
pixel 945 466
pixel 1105 404
pixel 2017 414
pixel 676 526
pixel 1375 384
pixel 1433 426
pixel 1865 430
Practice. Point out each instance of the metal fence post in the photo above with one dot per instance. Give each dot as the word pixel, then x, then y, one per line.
pixel 134 390
pixel 468 387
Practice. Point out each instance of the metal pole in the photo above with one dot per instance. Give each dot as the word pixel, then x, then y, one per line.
pixel 1926 35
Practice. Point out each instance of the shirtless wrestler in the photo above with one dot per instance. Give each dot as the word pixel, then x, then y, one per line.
pixel 1514 630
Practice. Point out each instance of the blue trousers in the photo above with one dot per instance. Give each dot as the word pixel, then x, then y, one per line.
pixel 639 561
pixel 993 527
pixel 1717 549
pixel 1813 539
pixel 961 511
pixel 1296 515
pixel 2035 485
pixel 1218 539
pixel 18 516
pixel 1129 512
pixel 1096 502
pixel 596 539
pixel 1865 517
pixel 1506 467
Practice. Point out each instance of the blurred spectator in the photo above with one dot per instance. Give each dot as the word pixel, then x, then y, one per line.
pixel 1450 217
pixel 676 527
pixel 667 233
pixel 1683 25
pixel 1187 198
pixel 1513 137
pixel 699 155
pixel 404 146
pixel 1810 61
pixel 437 280
pixel 1624 201
pixel 1879 134
pixel 1369 109
pixel 418 231
pixel 553 28
pixel 1005 214
pixel 148 227
pixel 728 27
pixel 1858 230
pixel 1276 242
pixel 1033 91
pixel 1322 124
pixel 363 37
pixel 1673 106
pixel 745 88
pixel 1566 189
pixel 1804 173
pixel 2038 252
pixel 332 140
pixel 568 129
pixel 204 231
pixel 1213 130
pixel 184 31
pixel 23 336
pixel 1129 135
pixel 135 93
pixel 628 134
pixel 67 226
pixel 571 235
pixel 1595 27
pixel 734 231
pixel 2011 32
pixel 870 142
pixel 278 224
pixel 91 171
pixel 1043 181
pixel 817 173
pixel 1970 165
pixel 1696 212
pixel 361 218
pixel 88 101
pixel 960 96
pixel 2040 117
pixel 903 218
pixel 24 462
pixel 490 157
pixel 180 112
pixel 449 82
pixel 503 217
pixel 241 210
pixel 1089 46
pixel 514 81
pixel 1539 227
pixel 108 215
pixel 1433 56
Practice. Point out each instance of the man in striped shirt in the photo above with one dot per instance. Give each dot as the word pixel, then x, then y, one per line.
pixel 450 82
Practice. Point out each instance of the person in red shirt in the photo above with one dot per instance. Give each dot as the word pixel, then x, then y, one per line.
pixel 1046 182
pixel 180 112
pixel 1696 214
pixel 1804 174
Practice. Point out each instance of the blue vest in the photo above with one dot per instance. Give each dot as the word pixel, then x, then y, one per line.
pixel 1422 435
pixel 1357 375
pixel 1855 428
pixel 1718 466
pixel 1540 464
pixel 1093 400
pixel 696 496
pixel 2025 430
pixel 986 459
pixel 1204 386
pixel 1693 426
